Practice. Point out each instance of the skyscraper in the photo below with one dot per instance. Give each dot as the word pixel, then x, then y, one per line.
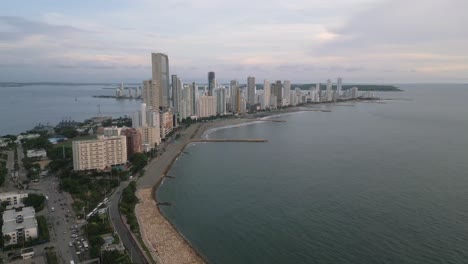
pixel 329 91
pixel 176 93
pixel 338 87
pixel 211 83
pixel 266 94
pixel 194 95
pixel 160 78
pixel 286 92
pixel 251 90
pixel 220 101
pixel 277 91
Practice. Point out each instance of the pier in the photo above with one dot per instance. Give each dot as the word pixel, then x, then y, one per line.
pixel 252 140
pixel 316 110
pixel 272 120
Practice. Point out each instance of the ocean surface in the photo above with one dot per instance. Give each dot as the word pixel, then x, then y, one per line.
pixel 365 183
pixel 23 107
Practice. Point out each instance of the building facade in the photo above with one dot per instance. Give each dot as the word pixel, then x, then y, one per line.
pixel 211 83
pixel 251 90
pixel 99 154
pixel 19 225
pixel 160 79
pixel 166 123
pixel 134 141
pixel 12 197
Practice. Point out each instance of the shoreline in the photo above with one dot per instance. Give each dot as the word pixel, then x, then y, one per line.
pixel 165 242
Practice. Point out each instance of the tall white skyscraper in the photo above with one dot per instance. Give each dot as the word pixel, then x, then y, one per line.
pixel 266 94
pixel 338 87
pixel 160 78
pixel 251 90
pixel 286 92
pixel 329 91
pixel 176 93
pixel 220 101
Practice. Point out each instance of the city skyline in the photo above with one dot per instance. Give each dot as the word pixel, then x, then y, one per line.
pixel 303 41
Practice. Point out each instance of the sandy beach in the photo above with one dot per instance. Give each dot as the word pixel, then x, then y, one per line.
pixel 163 240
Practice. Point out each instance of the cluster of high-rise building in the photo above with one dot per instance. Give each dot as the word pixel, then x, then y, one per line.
pixel 131 92
pixel 167 101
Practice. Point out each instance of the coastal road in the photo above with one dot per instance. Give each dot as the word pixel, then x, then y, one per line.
pixel 124 234
pixel 155 169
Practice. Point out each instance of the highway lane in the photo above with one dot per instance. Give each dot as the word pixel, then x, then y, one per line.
pixel 119 226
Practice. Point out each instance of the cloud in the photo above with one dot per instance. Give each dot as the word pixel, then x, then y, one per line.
pixel 303 40
pixel 17 28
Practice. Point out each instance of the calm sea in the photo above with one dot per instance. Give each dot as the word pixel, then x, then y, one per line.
pixel 365 183
pixel 23 107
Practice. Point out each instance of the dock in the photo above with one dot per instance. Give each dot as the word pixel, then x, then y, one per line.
pixel 272 120
pixel 316 110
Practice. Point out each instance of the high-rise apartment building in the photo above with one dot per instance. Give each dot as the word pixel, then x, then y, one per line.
pixel 251 90
pixel 329 91
pixel 134 141
pixel 160 79
pixel 339 87
pixel 266 94
pixel 150 94
pixel 176 93
pixel 286 92
pixel 220 101
pixel 211 83
pixel 206 106
pixel 277 91
pixel 99 154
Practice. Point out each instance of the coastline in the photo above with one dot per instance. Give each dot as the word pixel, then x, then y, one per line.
pixel 164 241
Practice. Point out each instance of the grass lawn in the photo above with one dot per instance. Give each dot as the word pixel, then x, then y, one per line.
pixel 68 143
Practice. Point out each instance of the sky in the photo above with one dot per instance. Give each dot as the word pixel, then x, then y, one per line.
pixel 362 41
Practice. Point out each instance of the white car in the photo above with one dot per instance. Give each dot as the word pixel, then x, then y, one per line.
pixel 70 244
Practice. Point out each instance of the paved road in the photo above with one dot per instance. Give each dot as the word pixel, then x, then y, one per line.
pixel 154 170
pixel 124 233
pixel 60 234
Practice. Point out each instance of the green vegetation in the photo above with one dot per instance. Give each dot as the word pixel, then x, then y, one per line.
pixel 43 230
pixel 127 206
pixel 51 257
pixel 139 161
pixel 97 225
pixel 68 143
pixel 87 190
pixel 67 131
pixel 111 257
pixel 3 173
pixel 35 200
pixel 42 142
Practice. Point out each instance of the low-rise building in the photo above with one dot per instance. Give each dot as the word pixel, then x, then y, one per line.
pixel 19 225
pixel 12 197
pixel 36 153
pixel 100 153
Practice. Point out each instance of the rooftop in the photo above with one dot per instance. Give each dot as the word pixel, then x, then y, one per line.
pixel 12 226
pixel 26 212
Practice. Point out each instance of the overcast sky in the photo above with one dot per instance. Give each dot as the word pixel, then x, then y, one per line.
pixel 372 41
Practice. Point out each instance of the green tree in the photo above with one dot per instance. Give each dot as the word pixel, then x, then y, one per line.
pixel 139 161
pixel 35 200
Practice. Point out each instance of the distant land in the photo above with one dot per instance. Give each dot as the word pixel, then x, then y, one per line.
pixel 362 87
